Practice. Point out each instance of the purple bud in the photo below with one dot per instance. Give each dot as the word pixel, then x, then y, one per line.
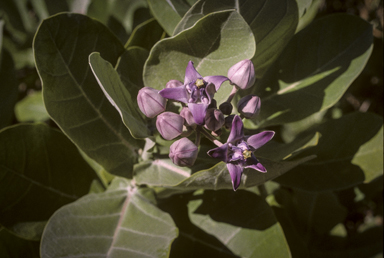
pixel 226 108
pixel 249 106
pixel 242 74
pixel 150 102
pixel 214 119
pixel 187 115
pixel 173 84
pixel 183 152
pixel 169 125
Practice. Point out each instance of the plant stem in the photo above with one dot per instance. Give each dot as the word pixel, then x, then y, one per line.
pixel 208 136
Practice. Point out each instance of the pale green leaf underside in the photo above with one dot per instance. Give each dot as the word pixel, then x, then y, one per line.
pixel 118 95
pixel 120 222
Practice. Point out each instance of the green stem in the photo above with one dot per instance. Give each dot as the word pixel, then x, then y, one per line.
pixel 208 136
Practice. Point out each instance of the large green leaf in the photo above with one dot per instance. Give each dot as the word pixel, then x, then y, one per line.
pixel 315 70
pixel 214 44
pixel 242 221
pixel 130 69
pixel 145 35
pixel 40 171
pixel 71 94
pixel 121 222
pixel 118 95
pixel 349 152
pixel 168 13
pixel 273 23
pixel 31 108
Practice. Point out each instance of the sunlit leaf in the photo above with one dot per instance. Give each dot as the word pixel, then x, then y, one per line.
pixel 273 23
pixel 121 222
pixel 227 39
pixel 31 108
pixel 242 221
pixel 71 94
pixel 40 171
pixel 346 147
pixel 315 70
pixel 119 96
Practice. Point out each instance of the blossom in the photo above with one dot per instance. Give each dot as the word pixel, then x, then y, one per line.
pixel 237 152
pixel 197 92
pixel 183 152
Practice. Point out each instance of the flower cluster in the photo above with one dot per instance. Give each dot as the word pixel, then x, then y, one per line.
pixel 199 113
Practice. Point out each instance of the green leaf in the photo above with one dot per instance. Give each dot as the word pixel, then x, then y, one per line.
pixel 349 152
pixel 273 23
pixel 40 170
pixel 118 95
pixel 160 172
pixel 241 220
pixel 8 88
pixel 71 94
pixel 227 39
pixel 121 222
pixel 308 10
pixel 168 13
pixel 31 108
pixel 145 35
pixel 12 247
pixel 308 81
pixel 130 69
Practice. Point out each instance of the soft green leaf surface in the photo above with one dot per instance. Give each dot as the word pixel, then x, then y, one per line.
pixel 145 35
pixel 168 13
pixel 31 108
pixel 72 96
pixel 316 69
pixel 121 222
pixel 130 69
pixel 242 221
pixel 307 12
pixel 8 88
pixel 227 39
pixel 346 147
pixel 118 95
pixel 273 23
pixel 40 170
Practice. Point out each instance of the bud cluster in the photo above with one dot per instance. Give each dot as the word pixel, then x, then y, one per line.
pixel 199 111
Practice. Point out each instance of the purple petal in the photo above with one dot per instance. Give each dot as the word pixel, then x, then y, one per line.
pixel 216 80
pixel 191 74
pixel 235 171
pixel 237 132
pixel 198 112
pixel 178 93
pixel 255 164
pixel 210 91
pixel 257 140
pixel 220 152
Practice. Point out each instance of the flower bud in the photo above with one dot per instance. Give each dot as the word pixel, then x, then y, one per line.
pixel 150 102
pixel 226 108
pixel 183 152
pixel 187 115
pixel 169 125
pixel 242 74
pixel 249 106
pixel 173 84
pixel 214 119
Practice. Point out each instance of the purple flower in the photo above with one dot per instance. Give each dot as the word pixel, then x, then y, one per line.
pixel 242 74
pixel 238 151
pixel 183 152
pixel 197 92
pixel 150 102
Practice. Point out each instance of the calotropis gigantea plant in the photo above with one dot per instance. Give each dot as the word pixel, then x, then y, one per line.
pixel 193 129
